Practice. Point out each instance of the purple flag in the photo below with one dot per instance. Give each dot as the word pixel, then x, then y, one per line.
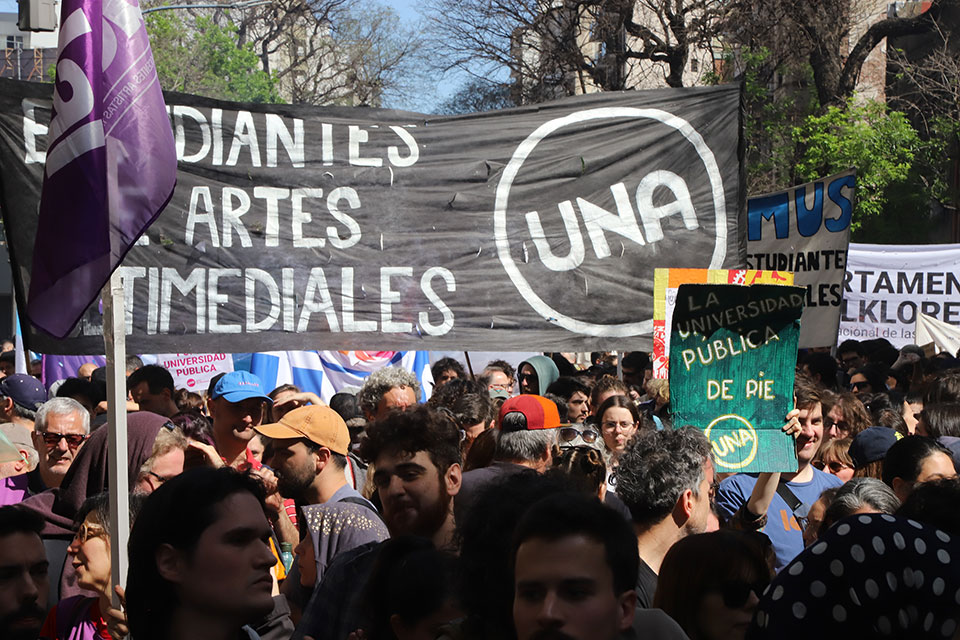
pixel 111 163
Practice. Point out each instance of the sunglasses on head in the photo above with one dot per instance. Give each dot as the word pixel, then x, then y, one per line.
pixel 74 440
pixel 736 593
pixel 568 434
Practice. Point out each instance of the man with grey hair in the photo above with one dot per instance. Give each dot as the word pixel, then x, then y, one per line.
pixel 62 426
pixel 860 495
pixel 528 431
pixel 665 478
pixel 386 389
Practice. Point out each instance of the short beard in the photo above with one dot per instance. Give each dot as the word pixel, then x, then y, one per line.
pixel 295 484
pixel 430 520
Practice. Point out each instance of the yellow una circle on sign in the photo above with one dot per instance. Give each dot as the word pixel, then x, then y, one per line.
pixel 732 442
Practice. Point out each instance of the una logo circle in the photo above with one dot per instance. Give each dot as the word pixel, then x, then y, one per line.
pixel 651 182
pixel 736 445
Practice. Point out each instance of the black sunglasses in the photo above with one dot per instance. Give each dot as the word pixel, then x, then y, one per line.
pixel 74 440
pixel 736 593
pixel 568 434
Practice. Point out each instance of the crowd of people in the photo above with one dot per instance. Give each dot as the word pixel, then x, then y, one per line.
pixel 547 501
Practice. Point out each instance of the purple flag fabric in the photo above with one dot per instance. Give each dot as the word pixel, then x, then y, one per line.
pixel 111 164
pixel 60 367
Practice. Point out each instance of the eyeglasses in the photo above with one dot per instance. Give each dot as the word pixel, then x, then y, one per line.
pixel 161 479
pixel 610 426
pixel 835 466
pixel 87 531
pixel 568 434
pixel 500 387
pixel 74 440
pixel 736 593
pixel 527 376
pixel 855 386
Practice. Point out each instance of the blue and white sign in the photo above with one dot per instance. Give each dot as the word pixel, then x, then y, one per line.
pixel 806 230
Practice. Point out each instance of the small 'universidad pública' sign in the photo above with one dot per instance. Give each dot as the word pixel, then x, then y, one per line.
pixel 733 352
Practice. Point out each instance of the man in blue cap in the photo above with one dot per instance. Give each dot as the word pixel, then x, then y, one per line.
pixel 236 407
pixel 20 397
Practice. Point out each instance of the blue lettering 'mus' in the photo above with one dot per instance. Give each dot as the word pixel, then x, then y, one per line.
pixel 836 195
pixel 776 207
pixel 808 220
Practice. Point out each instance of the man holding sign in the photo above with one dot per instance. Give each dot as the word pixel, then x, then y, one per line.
pixel 776 503
pixel 732 356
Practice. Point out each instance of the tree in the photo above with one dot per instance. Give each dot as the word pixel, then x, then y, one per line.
pixel 351 52
pixel 834 37
pixel 563 47
pixel 207 61
pixel 477 95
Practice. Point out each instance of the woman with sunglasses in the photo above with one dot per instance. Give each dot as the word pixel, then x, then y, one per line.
pixel 619 421
pixel 834 458
pixel 710 583
pixel 82 617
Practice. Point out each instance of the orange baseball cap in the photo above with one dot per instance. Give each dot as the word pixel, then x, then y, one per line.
pixel 318 424
pixel 539 412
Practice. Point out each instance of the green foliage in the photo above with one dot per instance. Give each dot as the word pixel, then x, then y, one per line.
pixel 204 58
pixel 880 144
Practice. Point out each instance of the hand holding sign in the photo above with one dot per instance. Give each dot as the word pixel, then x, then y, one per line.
pixel 732 354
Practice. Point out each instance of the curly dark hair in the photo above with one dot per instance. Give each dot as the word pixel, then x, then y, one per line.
pixel 447 364
pixel 419 429
pixel 656 468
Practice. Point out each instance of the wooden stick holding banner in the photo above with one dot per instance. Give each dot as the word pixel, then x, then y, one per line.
pixel 733 352
pixel 466 355
pixel 114 341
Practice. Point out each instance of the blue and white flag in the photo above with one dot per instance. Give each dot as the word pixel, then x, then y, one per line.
pixel 328 372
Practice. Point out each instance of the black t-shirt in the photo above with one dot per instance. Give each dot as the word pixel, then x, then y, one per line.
pixel 646 585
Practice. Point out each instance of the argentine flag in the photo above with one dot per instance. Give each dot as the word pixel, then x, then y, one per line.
pixel 328 372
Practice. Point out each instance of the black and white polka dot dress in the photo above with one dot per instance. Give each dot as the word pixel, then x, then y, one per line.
pixel 869 576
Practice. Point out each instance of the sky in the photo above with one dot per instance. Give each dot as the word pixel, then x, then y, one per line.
pixel 424 101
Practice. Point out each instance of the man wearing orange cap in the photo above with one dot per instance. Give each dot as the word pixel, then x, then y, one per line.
pixel 310 447
pixel 528 431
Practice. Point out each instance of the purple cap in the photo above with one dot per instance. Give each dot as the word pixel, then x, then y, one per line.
pixel 238 386
pixel 25 390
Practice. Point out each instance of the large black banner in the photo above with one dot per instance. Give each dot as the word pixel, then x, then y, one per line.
pixel 351 228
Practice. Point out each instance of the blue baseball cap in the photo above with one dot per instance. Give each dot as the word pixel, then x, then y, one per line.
pixel 238 386
pixel 25 390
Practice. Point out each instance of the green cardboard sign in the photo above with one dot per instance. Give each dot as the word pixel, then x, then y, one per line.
pixel 733 351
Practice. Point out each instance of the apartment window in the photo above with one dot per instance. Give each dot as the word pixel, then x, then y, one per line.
pixel 14 42
pixel 694 65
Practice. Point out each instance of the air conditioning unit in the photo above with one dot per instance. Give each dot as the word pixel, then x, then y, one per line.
pixel 37 15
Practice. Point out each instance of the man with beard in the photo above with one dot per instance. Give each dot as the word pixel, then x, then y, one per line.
pixel 310 447
pixel 416 457
pixel 665 478
pixel 23 574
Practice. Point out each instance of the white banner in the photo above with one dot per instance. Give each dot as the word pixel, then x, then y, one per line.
pixel 945 337
pixel 193 371
pixel 806 230
pixel 887 285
